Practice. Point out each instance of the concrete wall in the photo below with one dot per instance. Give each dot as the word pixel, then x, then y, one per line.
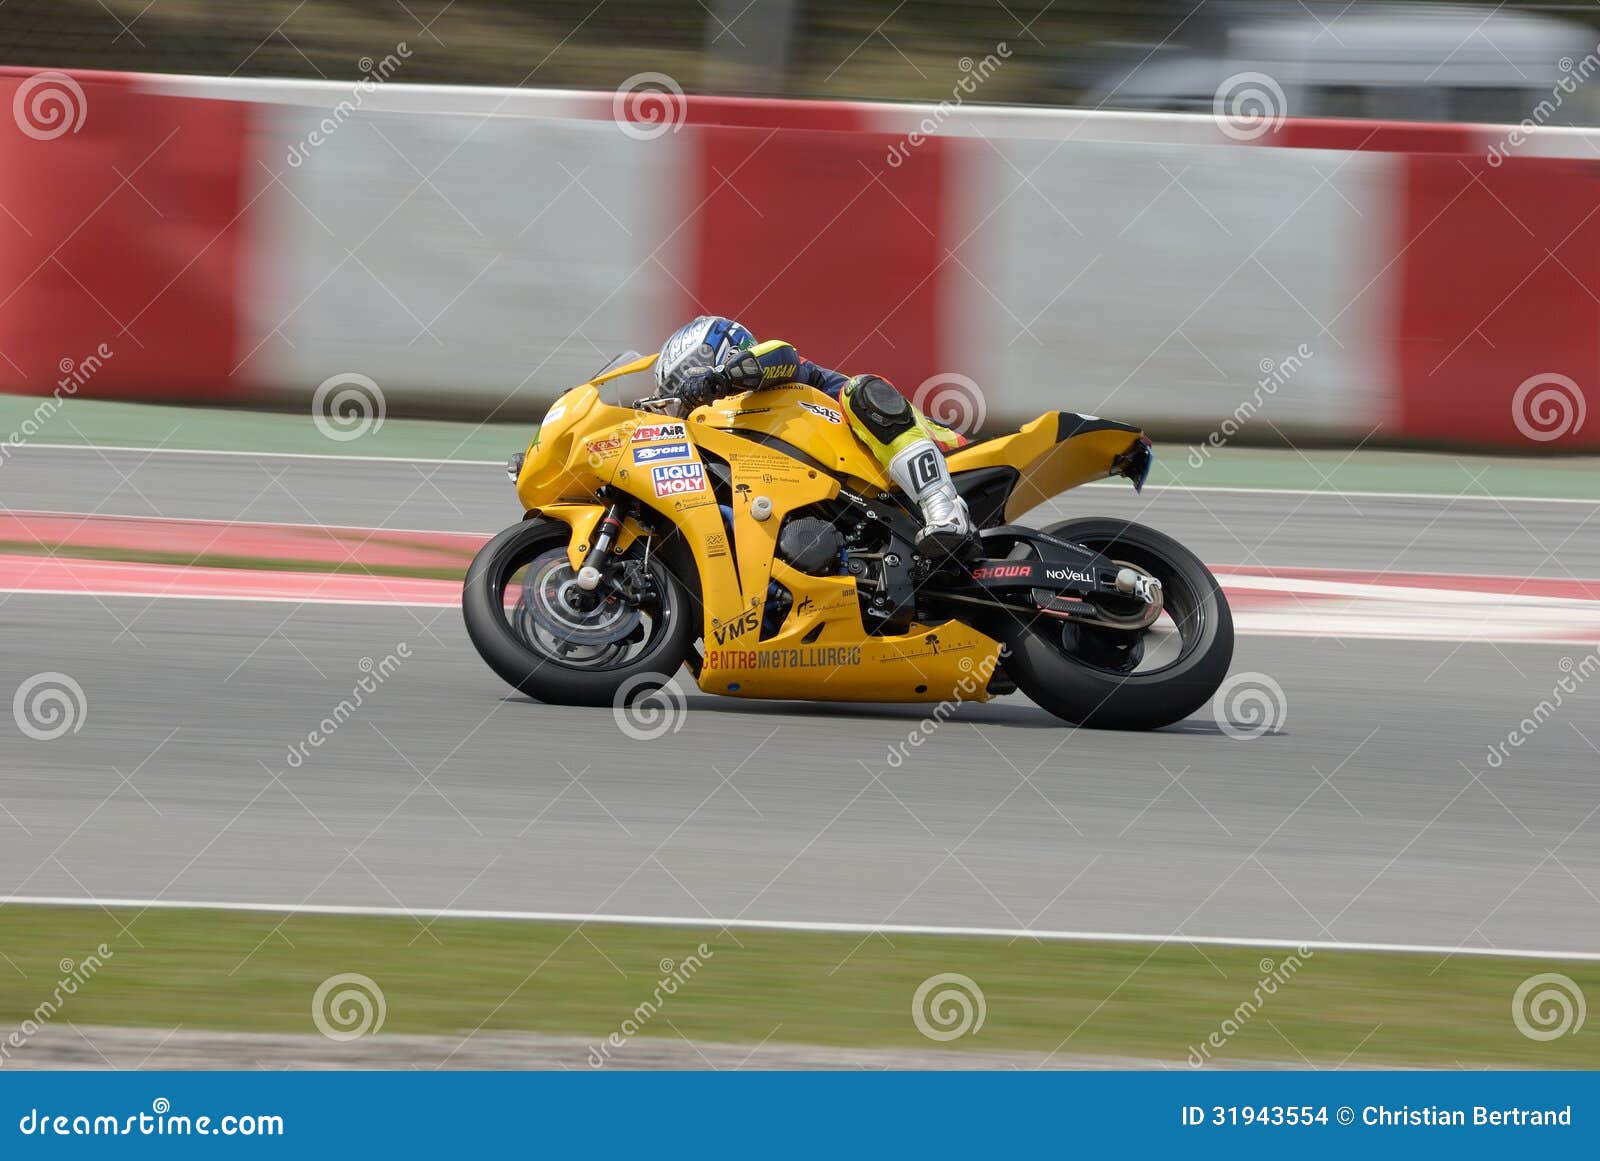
pixel 475 251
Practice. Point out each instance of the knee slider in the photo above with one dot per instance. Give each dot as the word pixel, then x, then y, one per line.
pixel 879 407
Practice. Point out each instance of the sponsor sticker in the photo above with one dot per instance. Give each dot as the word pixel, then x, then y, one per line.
pixel 810 657
pixel 676 479
pixel 746 622
pixel 807 605
pixel 932 647
pixel 610 445
pixel 717 545
pixel 1069 574
pixel 1002 571
pixel 821 412
pixel 655 432
pixel 657 452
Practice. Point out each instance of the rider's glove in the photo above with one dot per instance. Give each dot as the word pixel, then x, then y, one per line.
pixel 699 389
pixel 743 372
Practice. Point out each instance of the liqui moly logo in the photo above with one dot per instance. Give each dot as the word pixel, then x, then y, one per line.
pixel 676 479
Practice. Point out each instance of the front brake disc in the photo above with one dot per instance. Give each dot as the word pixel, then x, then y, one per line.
pixel 552 603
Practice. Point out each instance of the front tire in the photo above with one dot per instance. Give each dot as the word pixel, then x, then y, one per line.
pixel 548 648
pixel 1090 676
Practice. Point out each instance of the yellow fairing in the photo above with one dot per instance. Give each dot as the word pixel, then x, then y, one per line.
pixel 786 447
pixel 822 650
pixel 1049 465
pixel 803 418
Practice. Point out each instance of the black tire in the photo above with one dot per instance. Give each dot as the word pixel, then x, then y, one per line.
pixel 1087 694
pixel 547 678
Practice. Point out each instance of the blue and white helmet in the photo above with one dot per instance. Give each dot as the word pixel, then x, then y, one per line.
pixel 698 346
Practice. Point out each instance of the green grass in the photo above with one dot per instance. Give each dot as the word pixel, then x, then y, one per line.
pixel 258 972
pixel 117 424
pixel 111 423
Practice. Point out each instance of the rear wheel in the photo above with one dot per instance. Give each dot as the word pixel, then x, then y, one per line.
pixel 546 636
pixel 1128 679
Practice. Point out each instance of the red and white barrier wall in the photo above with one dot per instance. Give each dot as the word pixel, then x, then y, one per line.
pixel 477 250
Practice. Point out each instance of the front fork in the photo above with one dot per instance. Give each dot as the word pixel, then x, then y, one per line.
pixel 600 577
pixel 606 533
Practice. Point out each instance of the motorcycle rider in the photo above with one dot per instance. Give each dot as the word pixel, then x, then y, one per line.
pixel 713 356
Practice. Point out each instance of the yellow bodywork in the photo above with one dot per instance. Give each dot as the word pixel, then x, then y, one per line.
pixel 822 651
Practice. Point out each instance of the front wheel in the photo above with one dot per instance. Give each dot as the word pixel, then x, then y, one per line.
pixel 546 636
pixel 1133 679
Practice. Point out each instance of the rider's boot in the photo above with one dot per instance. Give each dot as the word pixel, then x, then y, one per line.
pixel 947 529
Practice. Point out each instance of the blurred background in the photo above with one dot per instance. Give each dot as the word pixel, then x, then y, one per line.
pixel 1424 61
pixel 1375 215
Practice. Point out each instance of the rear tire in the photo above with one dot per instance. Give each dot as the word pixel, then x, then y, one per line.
pixel 1088 690
pixel 665 638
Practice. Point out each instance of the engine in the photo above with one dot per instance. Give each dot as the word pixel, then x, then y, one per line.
pixel 812 545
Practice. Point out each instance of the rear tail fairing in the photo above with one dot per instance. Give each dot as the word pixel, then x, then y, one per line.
pixel 1050 455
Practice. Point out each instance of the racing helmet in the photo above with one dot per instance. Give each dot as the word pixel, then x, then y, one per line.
pixel 708 341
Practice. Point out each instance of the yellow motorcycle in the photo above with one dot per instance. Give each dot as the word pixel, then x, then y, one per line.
pixel 756 541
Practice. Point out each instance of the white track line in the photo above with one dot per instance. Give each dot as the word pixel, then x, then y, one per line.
pixel 198 451
pixel 255 598
pixel 101 517
pixel 795 925
pixel 1355 495
pixel 1228 488
pixel 1247 623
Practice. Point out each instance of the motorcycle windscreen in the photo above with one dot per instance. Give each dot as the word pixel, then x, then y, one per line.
pixel 621 360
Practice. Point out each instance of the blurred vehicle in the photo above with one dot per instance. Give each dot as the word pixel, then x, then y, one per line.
pixel 1403 62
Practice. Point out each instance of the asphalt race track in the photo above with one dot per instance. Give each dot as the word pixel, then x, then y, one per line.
pixel 1370 814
